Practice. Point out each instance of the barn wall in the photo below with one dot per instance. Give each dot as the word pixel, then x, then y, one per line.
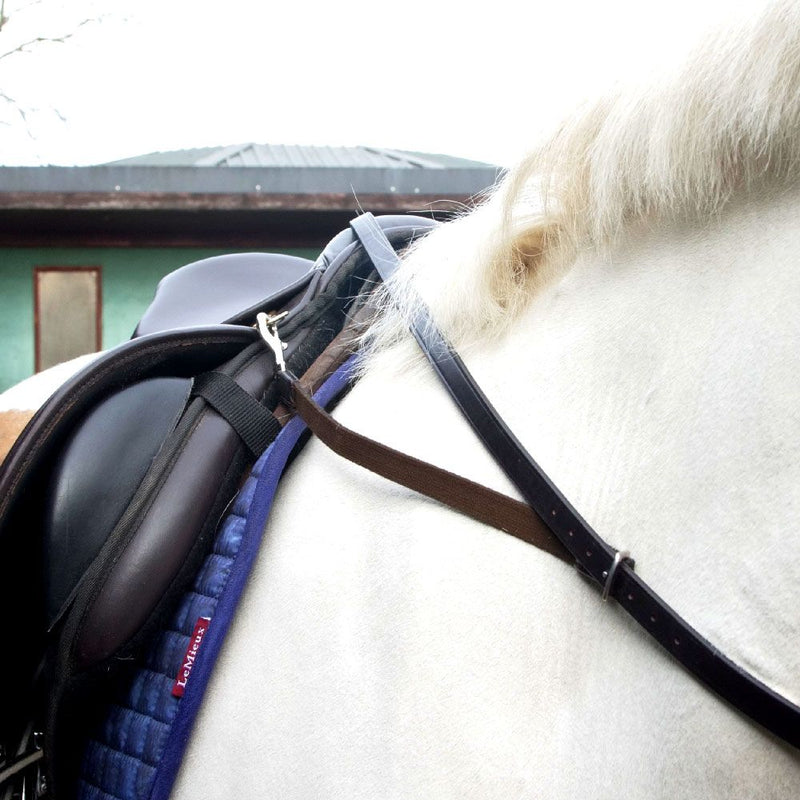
pixel 129 278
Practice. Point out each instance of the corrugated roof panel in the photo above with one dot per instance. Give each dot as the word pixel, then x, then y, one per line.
pixel 416 160
pixel 174 158
pixel 296 156
pixel 372 158
pixel 261 153
pixel 336 156
pixel 324 156
pixel 249 158
pixel 219 156
pixel 330 156
pixel 137 179
pixel 299 156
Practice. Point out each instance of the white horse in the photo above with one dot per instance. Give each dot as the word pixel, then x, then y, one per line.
pixel 629 301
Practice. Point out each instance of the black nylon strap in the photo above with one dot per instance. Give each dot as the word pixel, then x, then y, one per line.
pixel 254 423
pixel 593 557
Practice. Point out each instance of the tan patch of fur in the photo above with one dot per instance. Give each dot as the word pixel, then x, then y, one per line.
pixel 12 424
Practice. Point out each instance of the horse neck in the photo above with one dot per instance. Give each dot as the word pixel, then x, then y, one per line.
pixel 658 387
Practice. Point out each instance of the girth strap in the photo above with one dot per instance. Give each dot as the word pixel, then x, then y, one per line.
pixel 612 570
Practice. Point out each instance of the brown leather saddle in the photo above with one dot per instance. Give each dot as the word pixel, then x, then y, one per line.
pixel 110 497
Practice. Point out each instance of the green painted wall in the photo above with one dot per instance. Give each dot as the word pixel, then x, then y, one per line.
pixel 129 278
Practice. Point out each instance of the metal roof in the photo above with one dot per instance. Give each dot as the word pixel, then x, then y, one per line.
pixel 122 180
pixel 238 196
pixel 300 156
pixel 212 193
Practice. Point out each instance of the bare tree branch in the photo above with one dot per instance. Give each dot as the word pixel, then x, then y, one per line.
pixel 25 47
pixel 25 112
pixel 21 110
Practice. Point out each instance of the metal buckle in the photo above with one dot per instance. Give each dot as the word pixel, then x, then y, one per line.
pixel 268 328
pixel 611 573
pixel 17 766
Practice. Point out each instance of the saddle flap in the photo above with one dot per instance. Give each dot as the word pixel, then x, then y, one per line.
pixel 96 476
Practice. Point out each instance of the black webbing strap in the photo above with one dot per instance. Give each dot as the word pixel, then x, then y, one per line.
pixel 254 423
pixel 612 570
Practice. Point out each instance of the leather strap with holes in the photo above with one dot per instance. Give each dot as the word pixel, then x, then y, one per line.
pixel 593 557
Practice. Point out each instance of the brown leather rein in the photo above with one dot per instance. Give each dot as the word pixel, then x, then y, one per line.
pixel 547 520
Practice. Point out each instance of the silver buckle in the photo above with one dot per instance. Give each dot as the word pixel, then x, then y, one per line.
pixel 611 573
pixel 268 328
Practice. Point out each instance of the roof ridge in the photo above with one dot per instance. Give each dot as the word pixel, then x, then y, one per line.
pixel 222 154
pixel 402 155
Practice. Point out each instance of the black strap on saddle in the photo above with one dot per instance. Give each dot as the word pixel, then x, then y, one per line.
pixel 610 569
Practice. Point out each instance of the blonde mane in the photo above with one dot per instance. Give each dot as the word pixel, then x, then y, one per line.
pixel 726 123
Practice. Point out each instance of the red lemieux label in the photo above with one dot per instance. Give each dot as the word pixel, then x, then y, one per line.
pixel 198 634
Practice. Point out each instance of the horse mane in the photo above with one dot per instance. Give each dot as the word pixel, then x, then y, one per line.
pixel 681 148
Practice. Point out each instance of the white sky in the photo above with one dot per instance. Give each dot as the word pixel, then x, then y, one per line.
pixel 481 80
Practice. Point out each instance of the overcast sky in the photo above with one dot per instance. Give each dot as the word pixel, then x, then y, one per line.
pixel 482 80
